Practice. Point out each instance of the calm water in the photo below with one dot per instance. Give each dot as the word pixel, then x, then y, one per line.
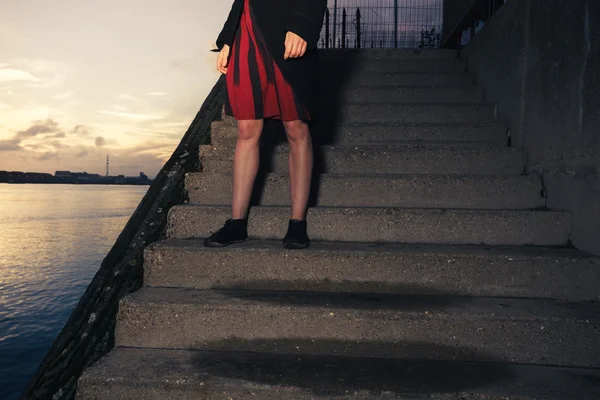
pixel 52 241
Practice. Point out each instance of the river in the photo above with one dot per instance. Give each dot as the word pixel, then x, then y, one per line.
pixel 52 241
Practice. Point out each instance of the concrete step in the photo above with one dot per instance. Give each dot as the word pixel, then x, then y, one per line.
pixel 348 66
pixel 402 94
pixel 383 54
pixel 495 133
pixel 358 325
pixel 381 159
pixel 409 113
pixel 379 190
pixel 162 374
pixel 379 79
pixel 455 270
pixel 390 225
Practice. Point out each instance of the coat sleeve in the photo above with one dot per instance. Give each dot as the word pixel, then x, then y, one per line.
pixel 306 20
pixel 231 24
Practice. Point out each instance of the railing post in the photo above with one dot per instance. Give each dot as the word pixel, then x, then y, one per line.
pixel 327 38
pixel 334 22
pixel 358 33
pixel 396 24
pixel 344 28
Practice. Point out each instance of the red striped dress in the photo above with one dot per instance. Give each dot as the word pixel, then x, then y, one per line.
pixel 255 86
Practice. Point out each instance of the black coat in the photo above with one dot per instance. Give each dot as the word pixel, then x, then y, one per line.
pixel 274 18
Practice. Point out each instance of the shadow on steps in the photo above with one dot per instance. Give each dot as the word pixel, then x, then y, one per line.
pixel 341 376
pixel 385 297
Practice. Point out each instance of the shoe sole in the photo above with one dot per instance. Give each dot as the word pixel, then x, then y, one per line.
pixel 295 246
pixel 217 244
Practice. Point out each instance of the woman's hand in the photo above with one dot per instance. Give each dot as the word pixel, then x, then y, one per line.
pixel 222 59
pixel 295 46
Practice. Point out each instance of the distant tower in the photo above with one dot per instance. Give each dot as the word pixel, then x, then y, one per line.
pixel 107 165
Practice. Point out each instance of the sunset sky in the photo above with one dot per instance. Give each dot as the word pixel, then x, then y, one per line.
pixel 81 79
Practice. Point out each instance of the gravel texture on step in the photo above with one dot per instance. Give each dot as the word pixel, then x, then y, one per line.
pixel 376 325
pixel 384 224
pixel 383 158
pixel 458 270
pixel 159 374
pixel 379 190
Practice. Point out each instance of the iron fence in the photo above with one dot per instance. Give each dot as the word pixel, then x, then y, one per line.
pixel 382 23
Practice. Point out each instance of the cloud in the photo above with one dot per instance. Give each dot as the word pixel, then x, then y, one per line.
pixel 81 130
pixel 82 154
pixel 36 146
pixel 55 81
pixel 57 135
pixel 10 145
pixel 58 145
pixel 49 155
pixel 38 127
pixel 132 115
pixel 13 74
pixel 36 73
pixel 160 94
pixel 40 66
pixel 99 141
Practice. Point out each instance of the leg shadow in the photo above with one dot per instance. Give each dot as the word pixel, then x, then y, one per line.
pixel 339 376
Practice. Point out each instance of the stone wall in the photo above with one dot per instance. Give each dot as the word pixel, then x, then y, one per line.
pixel 89 332
pixel 539 61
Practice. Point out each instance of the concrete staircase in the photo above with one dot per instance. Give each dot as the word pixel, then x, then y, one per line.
pixel 435 269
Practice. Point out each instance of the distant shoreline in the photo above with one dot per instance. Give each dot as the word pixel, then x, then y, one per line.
pixel 78 183
pixel 75 178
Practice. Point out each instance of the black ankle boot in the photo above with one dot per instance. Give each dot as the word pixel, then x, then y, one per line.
pixel 233 231
pixel 296 236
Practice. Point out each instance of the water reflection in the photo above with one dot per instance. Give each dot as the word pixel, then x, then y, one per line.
pixel 52 241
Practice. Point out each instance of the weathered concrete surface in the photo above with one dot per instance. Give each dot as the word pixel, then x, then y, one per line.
pixel 540 61
pixel 161 374
pixel 526 272
pixel 380 190
pixel 363 325
pixel 405 94
pixel 429 113
pixel 387 54
pixel 492 133
pixel 379 224
pixel 378 79
pixel 380 158
pixel 416 65
pixel 497 56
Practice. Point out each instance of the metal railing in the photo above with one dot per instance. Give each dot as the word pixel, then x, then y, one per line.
pixel 382 24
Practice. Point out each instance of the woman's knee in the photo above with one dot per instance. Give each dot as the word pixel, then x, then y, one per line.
pixel 296 130
pixel 249 129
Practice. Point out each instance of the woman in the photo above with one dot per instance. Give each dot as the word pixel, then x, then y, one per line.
pixel 268 53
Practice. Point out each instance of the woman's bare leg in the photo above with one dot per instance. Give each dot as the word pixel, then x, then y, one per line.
pixel 245 165
pixel 300 165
